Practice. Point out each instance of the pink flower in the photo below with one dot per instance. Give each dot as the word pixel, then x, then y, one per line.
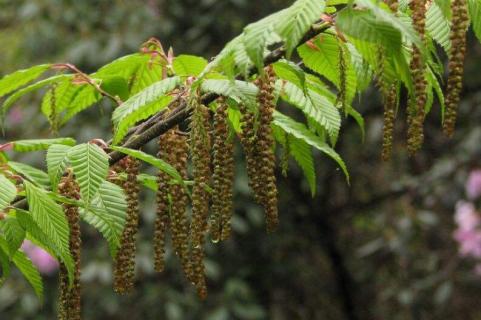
pixel 469 242
pixel 473 184
pixel 45 263
pixel 466 216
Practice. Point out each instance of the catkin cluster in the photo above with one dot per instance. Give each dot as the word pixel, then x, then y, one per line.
pixel 459 25
pixel 259 149
pixel 416 112
pixel 124 267
pixel 52 117
pixel 390 102
pixel 223 177
pixel 69 301
pixel 200 145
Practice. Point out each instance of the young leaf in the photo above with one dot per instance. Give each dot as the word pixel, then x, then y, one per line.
pixel 116 86
pixel 4 261
pixel 107 213
pixel 291 72
pixel 40 144
pixel 8 192
pixel 20 78
pixel 142 105
pixel 57 159
pixel 32 174
pixel 85 96
pixel 187 65
pixel 30 272
pixel 90 165
pixel 437 24
pixel 300 131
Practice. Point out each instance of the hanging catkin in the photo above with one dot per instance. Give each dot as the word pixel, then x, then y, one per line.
pixel 178 217
pixel 52 117
pixel 459 25
pixel 390 102
pixel 342 94
pixel 200 145
pixel 124 267
pixel 162 220
pixel 223 177
pixel 259 148
pixel 417 102
pixel 69 302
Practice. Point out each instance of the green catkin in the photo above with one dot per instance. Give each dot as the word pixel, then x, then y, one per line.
pixel 264 150
pixel 69 308
pixel 223 176
pixel 200 145
pixel 162 220
pixel 124 267
pixel 178 217
pixel 459 25
pixel 342 94
pixel 417 103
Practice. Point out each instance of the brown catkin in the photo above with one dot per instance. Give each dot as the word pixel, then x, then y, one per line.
pixel 259 148
pixel 178 217
pixel 162 220
pixel 124 267
pixel 459 25
pixel 390 102
pixel 69 302
pixel 201 162
pixel 223 177
pixel 417 103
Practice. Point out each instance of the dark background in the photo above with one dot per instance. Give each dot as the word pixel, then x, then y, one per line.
pixel 381 248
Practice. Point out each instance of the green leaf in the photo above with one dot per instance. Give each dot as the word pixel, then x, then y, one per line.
pixel 30 272
pixel 297 20
pixel 302 153
pixel 41 239
pixel 32 174
pixel 315 106
pixel 84 97
pixel 437 24
pixel 20 93
pixel 14 233
pixel 156 162
pixel 57 159
pixel 90 165
pixel 142 105
pixel 40 144
pixel 300 131
pixel 50 218
pixel 8 192
pixel 148 181
pixel 238 90
pixel 60 98
pixel 4 262
pixel 291 72
pixel 187 65
pixel 363 25
pixel 107 214
pixel 116 86
pixel 20 78
pixel 474 8
pixel 384 14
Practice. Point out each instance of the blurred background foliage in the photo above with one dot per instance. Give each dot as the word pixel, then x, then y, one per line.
pixel 381 248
